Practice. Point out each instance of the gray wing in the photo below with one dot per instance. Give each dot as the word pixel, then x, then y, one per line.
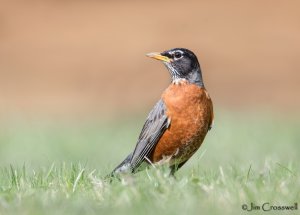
pixel 156 124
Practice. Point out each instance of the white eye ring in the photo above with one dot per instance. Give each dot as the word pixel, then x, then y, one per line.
pixel 177 54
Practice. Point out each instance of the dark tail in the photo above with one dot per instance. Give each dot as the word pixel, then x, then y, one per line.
pixel 123 167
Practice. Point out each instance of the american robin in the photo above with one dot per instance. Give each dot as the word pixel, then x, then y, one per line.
pixel 177 125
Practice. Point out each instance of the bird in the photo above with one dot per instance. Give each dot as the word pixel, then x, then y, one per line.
pixel 178 123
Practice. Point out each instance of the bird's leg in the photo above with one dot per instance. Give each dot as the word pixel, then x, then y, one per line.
pixel 175 167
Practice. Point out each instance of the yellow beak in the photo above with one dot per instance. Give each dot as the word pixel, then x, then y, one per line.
pixel 158 56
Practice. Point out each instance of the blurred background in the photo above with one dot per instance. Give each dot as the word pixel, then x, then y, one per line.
pixel 83 62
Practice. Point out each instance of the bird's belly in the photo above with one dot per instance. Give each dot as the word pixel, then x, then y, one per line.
pixel 181 140
pixel 188 107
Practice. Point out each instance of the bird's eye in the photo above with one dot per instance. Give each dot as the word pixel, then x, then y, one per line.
pixel 177 55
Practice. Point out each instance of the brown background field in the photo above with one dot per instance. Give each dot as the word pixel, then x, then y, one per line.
pixel 79 58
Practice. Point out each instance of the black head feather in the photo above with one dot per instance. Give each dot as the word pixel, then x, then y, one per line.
pixel 183 65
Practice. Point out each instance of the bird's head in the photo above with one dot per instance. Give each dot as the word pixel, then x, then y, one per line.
pixel 182 64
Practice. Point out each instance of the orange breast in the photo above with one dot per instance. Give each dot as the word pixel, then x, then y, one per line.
pixel 191 112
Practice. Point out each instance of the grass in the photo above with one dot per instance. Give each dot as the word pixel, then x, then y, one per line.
pixel 57 168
